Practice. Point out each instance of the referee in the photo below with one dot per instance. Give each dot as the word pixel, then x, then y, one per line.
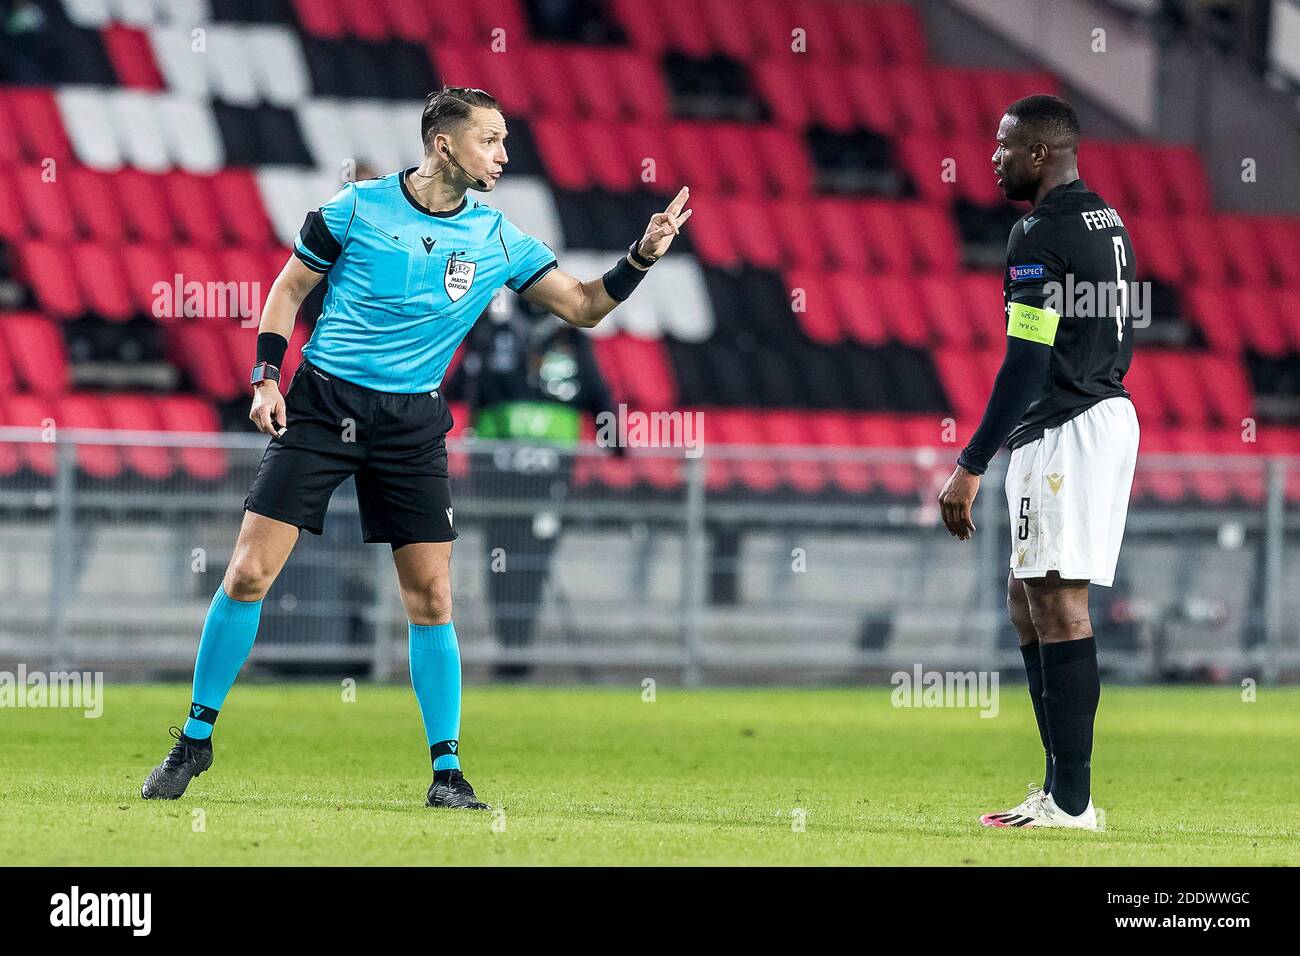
pixel 412 263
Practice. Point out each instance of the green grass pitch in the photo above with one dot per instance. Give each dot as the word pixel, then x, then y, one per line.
pixel 1189 776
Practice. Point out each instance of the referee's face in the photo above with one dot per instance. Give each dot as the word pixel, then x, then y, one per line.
pixel 1013 162
pixel 480 146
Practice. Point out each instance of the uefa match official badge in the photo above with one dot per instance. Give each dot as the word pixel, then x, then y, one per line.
pixel 458 277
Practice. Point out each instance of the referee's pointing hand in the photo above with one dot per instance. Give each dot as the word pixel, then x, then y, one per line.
pixel 268 409
pixel 664 225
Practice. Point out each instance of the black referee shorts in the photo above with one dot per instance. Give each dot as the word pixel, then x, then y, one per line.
pixel 394 444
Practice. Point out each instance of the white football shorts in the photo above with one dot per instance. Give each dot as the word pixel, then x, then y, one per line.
pixel 1068 491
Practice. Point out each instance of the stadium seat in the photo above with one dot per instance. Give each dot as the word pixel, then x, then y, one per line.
pixel 103 286
pixel 47 270
pixel 81 411
pixel 129 412
pixel 186 413
pixel 35 411
pixel 46 204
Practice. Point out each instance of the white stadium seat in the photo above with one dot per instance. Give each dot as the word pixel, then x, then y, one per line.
pixel 375 140
pixel 90 128
pixel 528 203
pixel 183 70
pixel 139 129
pixel 193 139
pixel 184 13
pixel 326 131
pixel 279 68
pixel 136 13
pixel 290 192
pixel 231 66
pixel 672 299
pixel 91 14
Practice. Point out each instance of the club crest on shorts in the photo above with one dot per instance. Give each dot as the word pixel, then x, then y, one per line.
pixel 458 277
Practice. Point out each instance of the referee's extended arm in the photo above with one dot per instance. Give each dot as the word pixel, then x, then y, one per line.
pixel 584 304
pixel 278 316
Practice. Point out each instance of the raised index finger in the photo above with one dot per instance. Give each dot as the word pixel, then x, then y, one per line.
pixel 678 202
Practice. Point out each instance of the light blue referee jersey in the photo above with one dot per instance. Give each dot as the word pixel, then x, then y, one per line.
pixel 406 284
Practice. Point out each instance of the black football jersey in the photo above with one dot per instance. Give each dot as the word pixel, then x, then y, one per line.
pixel 1070 284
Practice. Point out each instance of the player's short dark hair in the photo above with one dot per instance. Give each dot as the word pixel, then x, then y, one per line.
pixel 1048 115
pixel 450 106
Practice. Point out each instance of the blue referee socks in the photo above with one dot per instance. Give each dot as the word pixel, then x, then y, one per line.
pixel 435 675
pixel 228 634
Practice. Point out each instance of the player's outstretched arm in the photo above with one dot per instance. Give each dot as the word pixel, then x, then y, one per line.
pixel 279 313
pixel 584 304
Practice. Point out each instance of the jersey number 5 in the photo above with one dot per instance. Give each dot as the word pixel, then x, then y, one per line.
pixel 1121 260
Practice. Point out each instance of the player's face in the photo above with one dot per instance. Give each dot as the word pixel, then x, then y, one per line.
pixel 480 145
pixel 1013 164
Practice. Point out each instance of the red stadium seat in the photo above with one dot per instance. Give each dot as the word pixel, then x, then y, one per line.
pixel 1175 375
pixel 46 204
pixel 591 72
pixel 104 287
pixel 743 170
pixel 412 22
pixel 185 413
pixel 85 411
pixel 98 214
pixel 129 412
pixel 35 411
pixel 37 358
pixel 144 268
pixel 132 57
pixel 797 233
pixel 861 310
pixel 144 205
pixel 873 103
pixel 904 314
pixel 818 314
pixel 942 307
pixel 364 19
pixel 711 234
pixel 40 128
pixel 562 153
pixel 321 18
pixel 639 84
pixel 13 224
pixel 199 346
pixel 982 293
pixel 780 86
pixel 804 476
pixel 1260 327
pixel 47 269
pixel 192 203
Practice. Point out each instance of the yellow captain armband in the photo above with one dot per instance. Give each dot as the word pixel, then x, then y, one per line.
pixel 1032 324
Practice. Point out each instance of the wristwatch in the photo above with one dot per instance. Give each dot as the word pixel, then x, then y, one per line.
pixel 264 372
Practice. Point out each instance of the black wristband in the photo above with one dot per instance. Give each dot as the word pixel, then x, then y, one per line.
pixel 645 262
pixel 622 280
pixel 271 347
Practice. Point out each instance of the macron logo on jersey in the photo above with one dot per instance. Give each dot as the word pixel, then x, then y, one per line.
pixel 1019 273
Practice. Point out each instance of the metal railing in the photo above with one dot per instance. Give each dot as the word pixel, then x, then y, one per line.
pixel 745 563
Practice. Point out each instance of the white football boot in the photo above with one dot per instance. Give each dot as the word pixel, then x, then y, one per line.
pixel 1040 811
pixel 1027 809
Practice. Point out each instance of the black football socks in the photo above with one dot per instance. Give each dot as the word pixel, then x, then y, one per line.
pixel 1034 672
pixel 1071 691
